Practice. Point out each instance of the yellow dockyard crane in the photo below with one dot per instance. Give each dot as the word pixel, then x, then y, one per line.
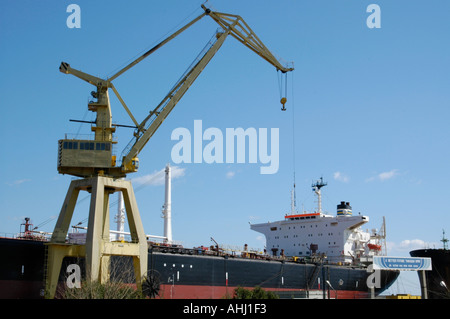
pixel 85 158
pixel 92 160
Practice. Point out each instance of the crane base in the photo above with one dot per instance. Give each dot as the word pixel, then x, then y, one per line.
pixel 98 247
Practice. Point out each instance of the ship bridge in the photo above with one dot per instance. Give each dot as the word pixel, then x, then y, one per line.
pixel 339 237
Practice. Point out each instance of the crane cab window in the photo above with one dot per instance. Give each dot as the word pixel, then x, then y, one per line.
pixel 87 146
pixel 102 146
pixel 70 145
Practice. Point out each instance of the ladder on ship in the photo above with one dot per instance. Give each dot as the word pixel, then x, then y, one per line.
pixel 314 275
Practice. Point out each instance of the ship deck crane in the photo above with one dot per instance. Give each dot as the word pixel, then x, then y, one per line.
pixel 86 158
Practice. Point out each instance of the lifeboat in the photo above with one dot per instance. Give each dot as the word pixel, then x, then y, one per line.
pixel 374 247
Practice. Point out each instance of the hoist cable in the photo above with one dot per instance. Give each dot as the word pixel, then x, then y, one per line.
pixel 293 132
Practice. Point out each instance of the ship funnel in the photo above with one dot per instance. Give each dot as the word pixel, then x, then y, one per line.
pixel 168 207
pixel 344 209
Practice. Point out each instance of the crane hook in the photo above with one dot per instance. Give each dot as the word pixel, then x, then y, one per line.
pixel 283 87
pixel 283 102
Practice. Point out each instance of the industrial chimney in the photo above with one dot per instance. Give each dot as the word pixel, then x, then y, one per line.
pixel 167 213
pixel 120 217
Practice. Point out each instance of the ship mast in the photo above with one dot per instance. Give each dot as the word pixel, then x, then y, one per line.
pixel 293 201
pixel 444 240
pixel 316 189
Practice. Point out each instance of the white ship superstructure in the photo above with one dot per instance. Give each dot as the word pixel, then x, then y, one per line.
pixel 338 238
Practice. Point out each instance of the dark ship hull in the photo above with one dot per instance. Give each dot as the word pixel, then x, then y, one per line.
pixel 185 276
pixel 21 268
pixel 438 279
pixel 190 273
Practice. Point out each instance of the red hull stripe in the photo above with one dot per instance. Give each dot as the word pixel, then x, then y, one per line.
pixel 216 292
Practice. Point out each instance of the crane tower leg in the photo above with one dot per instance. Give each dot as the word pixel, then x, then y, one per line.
pixel 98 247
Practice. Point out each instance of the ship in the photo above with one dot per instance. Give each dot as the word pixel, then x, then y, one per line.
pixel 307 255
pixel 438 278
pixel 339 238
pixel 199 273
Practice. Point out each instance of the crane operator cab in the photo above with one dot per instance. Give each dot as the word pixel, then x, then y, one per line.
pixel 90 157
pixel 84 153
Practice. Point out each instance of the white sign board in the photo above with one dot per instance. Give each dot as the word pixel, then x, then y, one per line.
pixel 401 263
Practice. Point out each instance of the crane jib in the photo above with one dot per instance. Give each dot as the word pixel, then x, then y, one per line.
pixel 77 161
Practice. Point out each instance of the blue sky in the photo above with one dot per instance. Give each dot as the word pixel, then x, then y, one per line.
pixel 370 109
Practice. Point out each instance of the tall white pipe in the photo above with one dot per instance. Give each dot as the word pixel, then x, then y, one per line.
pixel 168 207
pixel 120 217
